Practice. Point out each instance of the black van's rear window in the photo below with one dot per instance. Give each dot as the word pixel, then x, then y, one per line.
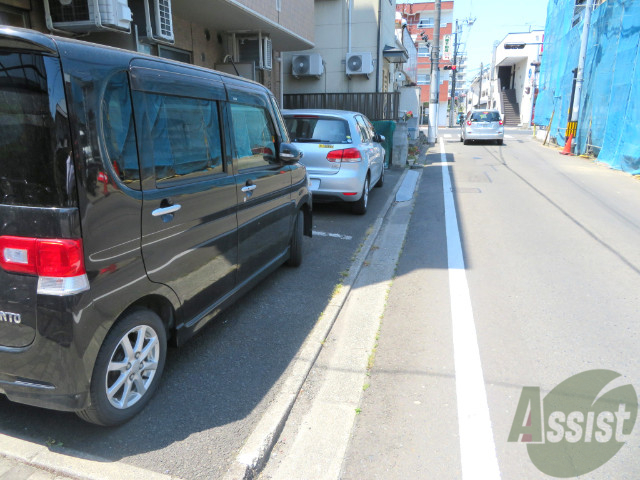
pixel 36 167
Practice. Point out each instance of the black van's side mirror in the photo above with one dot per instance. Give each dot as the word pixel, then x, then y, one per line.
pixel 289 153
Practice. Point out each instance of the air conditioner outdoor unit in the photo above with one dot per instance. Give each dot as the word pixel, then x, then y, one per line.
pixel 155 23
pixel 267 54
pixel 81 16
pixel 359 63
pixel 307 65
pixel 256 49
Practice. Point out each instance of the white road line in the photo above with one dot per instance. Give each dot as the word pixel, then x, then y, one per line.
pixel 477 447
pixel 332 235
pixel 510 137
pixel 447 135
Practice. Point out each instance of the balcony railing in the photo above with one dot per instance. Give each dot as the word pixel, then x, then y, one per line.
pixel 375 106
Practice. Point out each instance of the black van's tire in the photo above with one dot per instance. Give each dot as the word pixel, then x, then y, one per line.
pixel 295 246
pixel 360 207
pixel 137 342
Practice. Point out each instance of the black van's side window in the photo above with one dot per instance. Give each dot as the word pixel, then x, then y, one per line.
pixel 253 136
pixel 37 168
pixel 119 132
pixel 180 136
pixel 284 133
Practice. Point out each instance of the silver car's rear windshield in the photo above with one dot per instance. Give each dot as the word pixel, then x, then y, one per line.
pixel 485 117
pixel 312 129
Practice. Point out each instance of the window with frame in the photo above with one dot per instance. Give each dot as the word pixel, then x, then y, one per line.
pixel 119 132
pixel 14 17
pixel 423 51
pixel 365 133
pixel 180 136
pixel 253 136
pixel 426 22
pixel 423 79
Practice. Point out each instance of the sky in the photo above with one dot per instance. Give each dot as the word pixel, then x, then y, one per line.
pixel 494 20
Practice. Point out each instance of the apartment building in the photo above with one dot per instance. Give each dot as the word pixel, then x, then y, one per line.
pixel 420 18
pixel 356 50
pixel 237 36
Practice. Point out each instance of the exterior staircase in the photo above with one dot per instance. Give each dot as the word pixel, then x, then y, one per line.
pixel 510 108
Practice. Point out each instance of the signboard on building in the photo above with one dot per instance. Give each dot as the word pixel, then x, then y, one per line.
pixel 448 47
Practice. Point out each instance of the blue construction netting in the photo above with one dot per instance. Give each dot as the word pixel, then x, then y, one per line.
pixel 609 114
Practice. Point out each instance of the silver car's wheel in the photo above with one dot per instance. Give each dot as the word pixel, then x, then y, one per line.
pixel 360 207
pixel 128 369
pixel 380 182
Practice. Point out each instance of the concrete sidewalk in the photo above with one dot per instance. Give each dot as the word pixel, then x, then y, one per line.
pixel 14 470
pixel 22 460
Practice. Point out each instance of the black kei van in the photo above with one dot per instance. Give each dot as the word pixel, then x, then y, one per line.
pixel 138 198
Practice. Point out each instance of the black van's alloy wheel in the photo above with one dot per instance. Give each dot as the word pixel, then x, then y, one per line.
pixel 128 369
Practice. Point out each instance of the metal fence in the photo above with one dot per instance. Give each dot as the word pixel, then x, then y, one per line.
pixel 376 106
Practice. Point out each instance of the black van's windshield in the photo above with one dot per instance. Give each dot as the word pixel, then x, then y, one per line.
pixel 36 167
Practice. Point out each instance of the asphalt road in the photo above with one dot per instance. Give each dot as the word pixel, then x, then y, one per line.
pixel 216 388
pixel 549 288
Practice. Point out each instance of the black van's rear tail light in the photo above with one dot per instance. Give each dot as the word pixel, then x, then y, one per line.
pixel 58 263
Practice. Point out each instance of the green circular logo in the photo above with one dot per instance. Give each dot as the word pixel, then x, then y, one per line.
pixel 585 423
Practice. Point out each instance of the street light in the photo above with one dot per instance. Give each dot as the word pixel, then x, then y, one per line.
pixel 453 66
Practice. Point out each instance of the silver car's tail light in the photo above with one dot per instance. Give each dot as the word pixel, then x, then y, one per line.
pixel 344 155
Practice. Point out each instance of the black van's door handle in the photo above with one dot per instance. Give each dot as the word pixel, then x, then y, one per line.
pixel 158 212
pixel 249 188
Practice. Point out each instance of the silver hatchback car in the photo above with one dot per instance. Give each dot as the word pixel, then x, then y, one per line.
pixel 342 153
pixel 482 125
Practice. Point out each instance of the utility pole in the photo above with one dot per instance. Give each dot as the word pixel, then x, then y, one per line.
pixel 454 72
pixel 572 128
pixel 492 77
pixel 480 89
pixel 434 88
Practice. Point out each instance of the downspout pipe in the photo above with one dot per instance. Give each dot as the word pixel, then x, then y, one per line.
pixel 349 15
pixel 378 55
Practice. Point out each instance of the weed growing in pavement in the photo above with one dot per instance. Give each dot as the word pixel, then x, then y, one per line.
pixel 53 443
pixel 365 387
pixel 358 410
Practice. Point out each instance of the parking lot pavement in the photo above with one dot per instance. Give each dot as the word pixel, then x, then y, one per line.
pixel 25 450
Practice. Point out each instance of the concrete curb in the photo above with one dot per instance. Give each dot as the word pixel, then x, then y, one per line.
pixel 253 456
pixel 71 463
